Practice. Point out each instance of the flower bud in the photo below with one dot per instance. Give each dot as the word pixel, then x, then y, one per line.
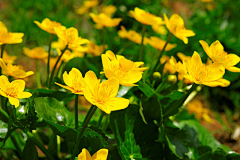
pixel 172 79
pixel 157 75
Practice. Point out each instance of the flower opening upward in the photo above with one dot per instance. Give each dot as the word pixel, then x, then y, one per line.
pixel 99 155
pixel 103 95
pixel 87 5
pixel 126 71
pixel 176 26
pixel 74 81
pixel 70 37
pixel 199 73
pixel 48 25
pixel 35 53
pixel 146 17
pixel 14 70
pixel 105 20
pixel 13 91
pixel 8 37
pixel 132 36
pixel 159 43
pixel 217 54
pixel 7 58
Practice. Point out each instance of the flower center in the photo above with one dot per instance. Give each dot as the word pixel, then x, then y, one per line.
pixel 12 68
pixel 12 90
pixel 4 35
pixel 78 84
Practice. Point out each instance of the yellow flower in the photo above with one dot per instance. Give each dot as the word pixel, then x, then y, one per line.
pixel 68 55
pixel 168 67
pixel 13 91
pixel 87 4
pixel 105 20
pixel 35 53
pixel 207 1
pixel 126 71
pixel 109 10
pixel 48 25
pixel 176 26
pixel 217 54
pixel 95 49
pixel 8 37
pixel 53 60
pixel 70 37
pixel 145 17
pixel 74 81
pixel 99 155
pixel 58 44
pixel 103 95
pixel 196 107
pixel 14 71
pixel 209 75
pixel 160 29
pixel 132 36
pixel 159 43
pixel 7 58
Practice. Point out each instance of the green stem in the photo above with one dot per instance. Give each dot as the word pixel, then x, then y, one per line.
pixel 2 49
pixel 100 119
pixel 40 146
pixel 59 72
pixel 105 123
pixel 81 132
pixel 142 45
pixel 49 55
pixel 76 111
pixel 4 113
pixel 123 48
pixel 89 111
pixel 16 145
pixel 38 74
pixel 156 64
pixel 55 66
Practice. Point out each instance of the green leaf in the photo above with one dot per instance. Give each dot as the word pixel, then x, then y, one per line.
pixel 30 151
pixel 51 109
pixel 3 129
pixel 146 89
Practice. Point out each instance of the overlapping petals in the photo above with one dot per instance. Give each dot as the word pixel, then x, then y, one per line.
pixel 104 20
pixel 35 53
pixel 48 25
pixel 8 59
pixel 99 155
pixel 13 91
pixel 159 43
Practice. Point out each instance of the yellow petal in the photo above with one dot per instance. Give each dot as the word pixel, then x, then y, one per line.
pixel 3 66
pixel 67 79
pixel 3 82
pixel 206 48
pixel 232 59
pixel 217 71
pixel 101 154
pixel 20 84
pixel 24 95
pixel 109 73
pixel 216 47
pixel 111 85
pixel 117 103
pixel 3 93
pixel 224 82
pixel 75 73
pixel 196 59
pixel 110 55
pixel 84 155
pixel 14 101
pixel 105 61
pixel 91 80
pixel 233 69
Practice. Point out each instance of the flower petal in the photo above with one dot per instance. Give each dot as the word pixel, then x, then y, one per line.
pixel 3 66
pixel 19 84
pixel 206 48
pixel 24 95
pixel 91 80
pixel 101 154
pixel 117 103
pixel 216 47
pixel 110 86
pixel 13 101
pixel 233 69
pixel 232 59
pixel 105 61
pixel 3 82
pixel 217 71
pixel 110 55
pixel 84 155
pixel 67 79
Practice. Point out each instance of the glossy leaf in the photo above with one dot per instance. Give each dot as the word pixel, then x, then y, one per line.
pixel 30 151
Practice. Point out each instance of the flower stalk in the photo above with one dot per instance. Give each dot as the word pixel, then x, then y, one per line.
pixel 100 119
pixel 142 46
pixel 38 74
pixel 2 49
pixel 49 55
pixel 76 111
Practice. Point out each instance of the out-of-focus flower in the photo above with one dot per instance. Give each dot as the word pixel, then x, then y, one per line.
pixel 217 54
pixel 35 53
pixel 132 36
pixel 160 29
pixel 207 1
pixel 68 55
pixel 8 37
pixel 74 81
pixel 176 26
pixel 168 67
pixel 103 95
pixel 94 49
pixel 13 91
pixel 58 44
pixel 87 4
pixel 105 20
pixel 14 71
pixel 126 71
pixel 8 59
pixel 99 155
pixel 159 43
pixel 209 75
pixel 70 37
pixel 196 107
pixel 146 17
pixel 109 10
pixel 172 79
pixel 48 25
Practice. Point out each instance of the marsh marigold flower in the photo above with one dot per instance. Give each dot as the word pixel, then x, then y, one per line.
pixel 159 43
pixel 103 95
pixel 14 70
pixel 8 59
pixel 145 17
pixel 168 67
pixel 13 91
pixel 48 25
pixel 94 49
pixel 109 10
pixel 132 36
pixel 70 37
pixel 126 71
pixel 176 26
pixel 160 29
pixel 8 37
pixel 74 81
pixel 87 4
pixel 99 155
pixel 35 53
pixel 68 55
pixel 105 20
pixel 217 54
pixel 199 73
